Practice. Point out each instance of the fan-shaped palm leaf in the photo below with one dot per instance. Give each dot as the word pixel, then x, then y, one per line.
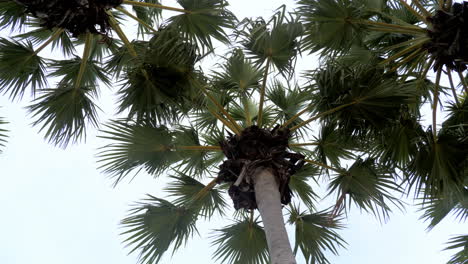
pixel 204 19
pixel 301 187
pixel 315 234
pixel 332 147
pixel 64 113
pixel 12 15
pixel 437 208
pixel 156 224
pixel 275 41
pixel 3 135
pixel 189 193
pixel 242 242
pixel 20 68
pixel 461 243
pixel 368 185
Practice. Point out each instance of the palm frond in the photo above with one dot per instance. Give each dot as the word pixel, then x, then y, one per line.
pixel 3 133
pixel 148 15
pixel 238 75
pixel 39 35
pixel 301 187
pixel 64 113
pixel 370 186
pixel 12 15
pixel 328 26
pixel 136 146
pixel 20 68
pixel 437 208
pixel 194 162
pixel 156 224
pixel 332 147
pixel 161 87
pixel 360 99
pixel 68 71
pixel 205 19
pixel 121 59
pixel 186 190
pixel 438 166
pixel 458 242
pixel 315 234
pixel 275 40
pixel 242 242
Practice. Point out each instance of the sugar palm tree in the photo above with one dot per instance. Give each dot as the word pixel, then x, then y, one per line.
pixel 245 127
pixel 408 39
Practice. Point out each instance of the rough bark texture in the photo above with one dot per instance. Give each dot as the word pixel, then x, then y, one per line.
pixel 269 204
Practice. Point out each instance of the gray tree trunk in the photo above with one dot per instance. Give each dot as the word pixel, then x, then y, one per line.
pixel 269 204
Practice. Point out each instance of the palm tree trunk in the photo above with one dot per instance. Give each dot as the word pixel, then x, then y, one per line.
pixel 269 204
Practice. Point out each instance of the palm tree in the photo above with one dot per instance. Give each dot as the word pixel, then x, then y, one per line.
pixel 408 39
pixel 245 128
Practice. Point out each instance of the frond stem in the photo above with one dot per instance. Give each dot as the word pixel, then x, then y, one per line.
pixel 417 45
pixel 422 8
pixel 304 144
pixel 322 165
pixel 405 60
pixel 434 108
pixel 220 107
pixel 143 23
pixel 375 24
pixel 428 66
pixel 413 11
pixel 463 81
pixel 225 122
pixel 202 193
pixel 324 114
pixel 122 36
pixel 84 59
pixel 442 4
pixel 199 148
pixel 295 117
pixel 54 36
pixel 134 3
pixel 449 74
pixel 262 93
pixel 248 118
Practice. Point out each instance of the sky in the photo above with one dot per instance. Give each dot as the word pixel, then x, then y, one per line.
pixel 57 208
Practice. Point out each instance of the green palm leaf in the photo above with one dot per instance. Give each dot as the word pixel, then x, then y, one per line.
pixel 162 86
pixel 39 35
pixel 204 20
pixel 371 99
pixel 437 208
pixel 20 68
pixel 328 24
pixel 68 70
pixel 242 242
pixel 122 60
pixel 136 146
pixel 12 15
pixel 238 74
pixel 156 224
pixel 331 146
pixel 148 15
pixel 459 242
pixel 438 166
pixel 64 113
pixel 370 186
pixel 186 190
pixel 275 40
pixel 315 234
pixel 301 187
pixel 3 133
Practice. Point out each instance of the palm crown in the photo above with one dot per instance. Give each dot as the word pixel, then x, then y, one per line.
pixel 221 127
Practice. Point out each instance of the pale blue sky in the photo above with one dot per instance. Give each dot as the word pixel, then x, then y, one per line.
pixel 58 208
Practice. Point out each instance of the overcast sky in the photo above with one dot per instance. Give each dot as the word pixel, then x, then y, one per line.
pixel 57 208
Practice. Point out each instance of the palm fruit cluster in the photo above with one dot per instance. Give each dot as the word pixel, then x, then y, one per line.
pixel 257 148
pixel 77 16
pixel 449 37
